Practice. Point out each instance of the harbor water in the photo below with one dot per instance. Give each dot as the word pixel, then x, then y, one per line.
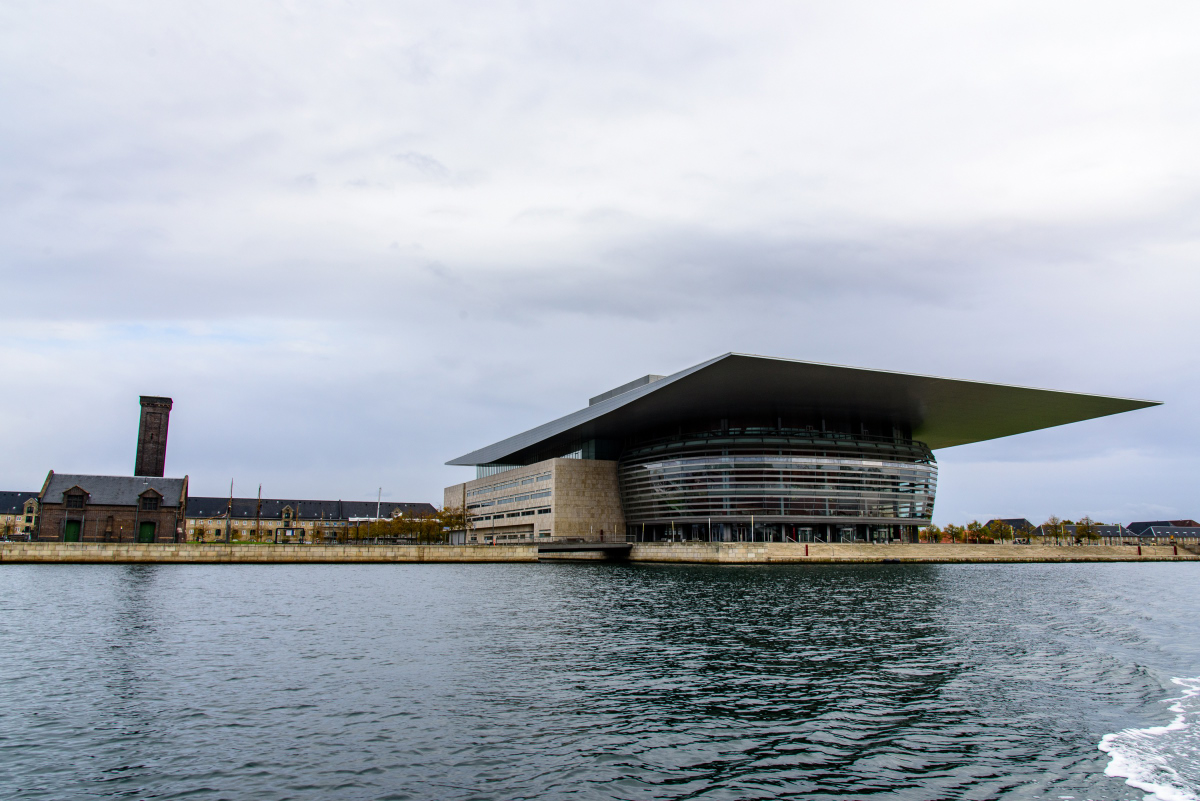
pixel 600 681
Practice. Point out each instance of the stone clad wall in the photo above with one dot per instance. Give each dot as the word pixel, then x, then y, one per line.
pixel 219 553
pixel 732 553
pixel 587 500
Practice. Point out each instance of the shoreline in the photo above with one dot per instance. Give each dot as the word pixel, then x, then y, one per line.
pixel 732 553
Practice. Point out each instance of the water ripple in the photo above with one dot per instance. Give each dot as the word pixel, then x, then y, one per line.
pixel 595 681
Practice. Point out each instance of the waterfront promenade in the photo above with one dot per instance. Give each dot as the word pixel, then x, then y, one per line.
pixel 683 553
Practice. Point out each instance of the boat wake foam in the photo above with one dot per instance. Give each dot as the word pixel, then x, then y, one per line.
pixel 1163 761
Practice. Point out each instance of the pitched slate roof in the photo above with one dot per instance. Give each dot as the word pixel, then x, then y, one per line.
pixel 1170 531
pixel 272 508
pixel 12 503
pixel 1139 527
pixel 1017 523
pixel 1071 529
pixel 942 412
pixel 114 490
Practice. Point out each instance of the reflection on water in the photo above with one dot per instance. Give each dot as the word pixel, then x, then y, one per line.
pixel 585 681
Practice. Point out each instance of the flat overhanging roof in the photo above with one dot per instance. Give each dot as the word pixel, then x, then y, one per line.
pixel 942 412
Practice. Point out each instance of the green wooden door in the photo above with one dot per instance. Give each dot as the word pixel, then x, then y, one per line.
pixel 146 532
pixel 71 532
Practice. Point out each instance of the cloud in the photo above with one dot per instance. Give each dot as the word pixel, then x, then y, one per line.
pixel 353 242
pixel 425 165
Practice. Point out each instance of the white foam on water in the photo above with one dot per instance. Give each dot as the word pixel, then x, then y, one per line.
pixel 1163 761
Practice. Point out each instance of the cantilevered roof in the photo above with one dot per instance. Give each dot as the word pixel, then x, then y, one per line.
pixel 942 412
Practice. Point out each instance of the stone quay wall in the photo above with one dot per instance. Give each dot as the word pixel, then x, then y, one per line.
pixel 730 553
pixel 743 553
pixel 220 553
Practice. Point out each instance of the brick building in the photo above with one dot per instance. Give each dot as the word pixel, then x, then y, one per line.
pixel 78 508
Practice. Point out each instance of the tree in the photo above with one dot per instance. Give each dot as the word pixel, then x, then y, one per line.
pixel 1086 528
pixel 954 532
pixel 1051 526
pixel 931 533
pixel 456 518
pixel 974 529
pixel 998 531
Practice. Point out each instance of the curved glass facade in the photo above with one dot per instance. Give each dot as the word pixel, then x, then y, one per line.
pixel 821 482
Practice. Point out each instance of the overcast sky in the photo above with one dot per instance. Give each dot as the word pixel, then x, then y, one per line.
pixel 355 240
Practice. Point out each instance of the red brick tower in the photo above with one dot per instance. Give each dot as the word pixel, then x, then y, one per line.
pixel 152 437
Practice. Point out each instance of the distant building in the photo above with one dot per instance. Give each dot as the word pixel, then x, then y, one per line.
pixel 146 507
pixel 18 514
pixel 288 520
pixel 78 508
pixel 149 507
pixel 1071 531
pixel 1168 534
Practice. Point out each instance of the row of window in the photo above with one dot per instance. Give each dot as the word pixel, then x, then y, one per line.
pixel 504 515
pixel 497 537
pixel 736 480
pixel 235 529
pixel 777 461
pixel 529 496
pixel 270 522
pixel 475 493
pixel 149 503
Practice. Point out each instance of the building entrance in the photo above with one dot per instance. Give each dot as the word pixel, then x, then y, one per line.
pixel 146 532
pixel 71 532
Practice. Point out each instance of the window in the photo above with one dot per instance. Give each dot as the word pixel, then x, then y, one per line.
pixel 74 501
pixel 149 503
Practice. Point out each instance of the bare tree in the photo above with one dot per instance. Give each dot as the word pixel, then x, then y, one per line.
pixel 1053 524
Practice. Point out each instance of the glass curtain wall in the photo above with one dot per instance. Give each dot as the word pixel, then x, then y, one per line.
pixel 798 488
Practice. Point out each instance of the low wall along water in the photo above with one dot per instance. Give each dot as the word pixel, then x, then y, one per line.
pixel 777 552
pixel 686 552
pixel 220 553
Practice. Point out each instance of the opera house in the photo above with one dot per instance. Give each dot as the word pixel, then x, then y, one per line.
pixel 749 448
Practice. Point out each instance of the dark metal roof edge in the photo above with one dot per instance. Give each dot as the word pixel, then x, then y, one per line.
pixel 498 450
pixel 524 439
pixel 1147 403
